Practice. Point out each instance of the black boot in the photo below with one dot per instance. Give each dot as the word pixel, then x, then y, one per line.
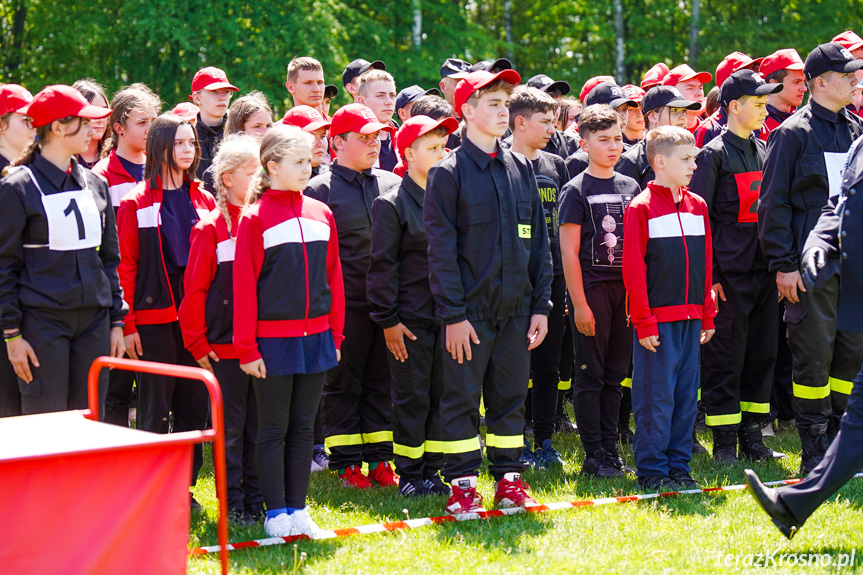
pixel 696 445
pixel 771 502
pixel 814 441
pixel 725 446
pixel 752 445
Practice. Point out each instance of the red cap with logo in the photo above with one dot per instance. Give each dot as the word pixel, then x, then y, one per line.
pixel 479 79
pixel 633 93
pixel 784 59
pixel 356 118
pixel 593 83
pixel 305 117
pixel 849 40
pixel 418 126
pixel 684 73
pixel 13 97
pixel 186 110
pixel 654 76
pixel 211 78
pixel 734 62
pixel 58 102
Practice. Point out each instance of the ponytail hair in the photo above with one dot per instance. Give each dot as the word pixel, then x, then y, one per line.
pixel 279 141
pixel 130 99
pixel 244 107
pixel 234 152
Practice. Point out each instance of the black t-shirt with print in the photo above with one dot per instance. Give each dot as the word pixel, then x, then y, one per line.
pixel 551 176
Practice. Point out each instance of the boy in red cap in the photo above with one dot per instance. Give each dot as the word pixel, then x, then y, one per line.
pixel 782 67
pixel 403 306
pixel 310 120
pixel 654 76
pixel 305 82
pixel 490 274
pixel 377 90
pixel 691 85
pixel 211 93
pixel 712 125
pixel 356 397
pixel 851 42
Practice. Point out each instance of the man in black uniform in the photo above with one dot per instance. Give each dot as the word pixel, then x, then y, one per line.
pixel 356 398
pixel 738 361
pixel 803 155
pixel 835 242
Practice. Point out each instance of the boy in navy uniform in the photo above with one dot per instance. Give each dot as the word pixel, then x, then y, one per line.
pixel 490 273
pixel 403 306
pixel 740 359
pixel 356 397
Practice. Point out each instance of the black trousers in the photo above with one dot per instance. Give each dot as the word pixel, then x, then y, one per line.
pixel 739 361
pixel 66 342
pixel 118 397
pixel 357 403
pixel 10 397
pixel 824 360
pixel 843 460
pixel 782 396
pixel 241 434
pixel 545 366
pixel 499 371
pixel 416 393
pixel 160 397
pixel 286 418
pixel 602 363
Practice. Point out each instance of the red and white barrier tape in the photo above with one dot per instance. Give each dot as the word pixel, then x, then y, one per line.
pixel 427 521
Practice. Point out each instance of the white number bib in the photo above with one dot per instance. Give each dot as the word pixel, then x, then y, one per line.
pixel 74 221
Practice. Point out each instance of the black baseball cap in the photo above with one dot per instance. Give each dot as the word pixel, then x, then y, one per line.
pixel 745 83
pixel 411 93
pixel 544 83
pixel 659 96
pixel 492 65
pixel 454 68
pixel 330 91
pixel 609 93
pixel 830 58
pixel 358 67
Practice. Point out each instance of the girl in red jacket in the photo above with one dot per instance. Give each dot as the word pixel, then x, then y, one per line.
pixel 206 319
pixel 155 221
pixel 289 316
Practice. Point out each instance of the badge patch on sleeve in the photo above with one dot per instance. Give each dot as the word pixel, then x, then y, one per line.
pixel 524 230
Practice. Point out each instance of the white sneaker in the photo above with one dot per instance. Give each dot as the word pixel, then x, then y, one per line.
pixel 280 526
pixel 304 524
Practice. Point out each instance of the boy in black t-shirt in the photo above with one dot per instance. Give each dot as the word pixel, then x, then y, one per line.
pixel 532 115
pixel 591 239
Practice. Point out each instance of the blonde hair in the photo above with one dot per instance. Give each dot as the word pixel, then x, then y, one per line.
pixel 244 107
pixel 234 152
pixel 373 75
pixel 659 141
pixel 279 141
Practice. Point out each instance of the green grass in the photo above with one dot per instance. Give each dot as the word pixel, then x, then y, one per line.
pixel 686 534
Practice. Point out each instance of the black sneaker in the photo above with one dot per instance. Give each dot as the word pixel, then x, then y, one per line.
pixel 625 435
pixel 660 483
pixel 412 488
pixel 613 458
pixel 435 485
pixel 562 424
pixel 240 518
pixel 598 465
pixel 683 479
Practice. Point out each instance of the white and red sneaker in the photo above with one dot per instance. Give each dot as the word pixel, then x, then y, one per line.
pixel 464 498
pixel 512 492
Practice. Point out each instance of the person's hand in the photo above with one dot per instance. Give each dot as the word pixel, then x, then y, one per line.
pixel 255 369
pixel 814 260
pixel 720 295
pixel 706 334
pixel 458 339
pixel 395 338
pixel 204 362
pixel 133 345
pixel 650 343
pixel 788 285
pixel 537 331
pixel 584 320
pixel 21 355
pixel 118 345
pixel 338 355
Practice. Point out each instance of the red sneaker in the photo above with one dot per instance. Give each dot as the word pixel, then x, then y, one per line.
pixel 353 477
pixel 464 498
pixel 512 492
pixel 384 475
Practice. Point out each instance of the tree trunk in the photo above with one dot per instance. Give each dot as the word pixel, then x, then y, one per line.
pixel 418 22
pixel 693 34
pixel 507 15
pixel 620 49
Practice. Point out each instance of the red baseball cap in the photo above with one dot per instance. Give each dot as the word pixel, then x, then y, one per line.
pixel 13 97
pixel 356 118
pixel 732 63
pixel 211 78
pixel 849 40
pixel 479 79
pixel 186 110
pixel 784 59
pixel 305 117
pixel 654 76
pixel 633 93
pixel 58 102
pixel 684 73
pixel 593 83
pixel 418 126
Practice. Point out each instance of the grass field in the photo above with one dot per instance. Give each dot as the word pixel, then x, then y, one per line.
pixel 716 533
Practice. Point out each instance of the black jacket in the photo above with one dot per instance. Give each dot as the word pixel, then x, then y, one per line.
pixel 633 163
pixel 488 245
pixel 40 278
pixel 728 177
pixel 349 195
pixel 209 139
pixel 398 281
pixel 795 185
